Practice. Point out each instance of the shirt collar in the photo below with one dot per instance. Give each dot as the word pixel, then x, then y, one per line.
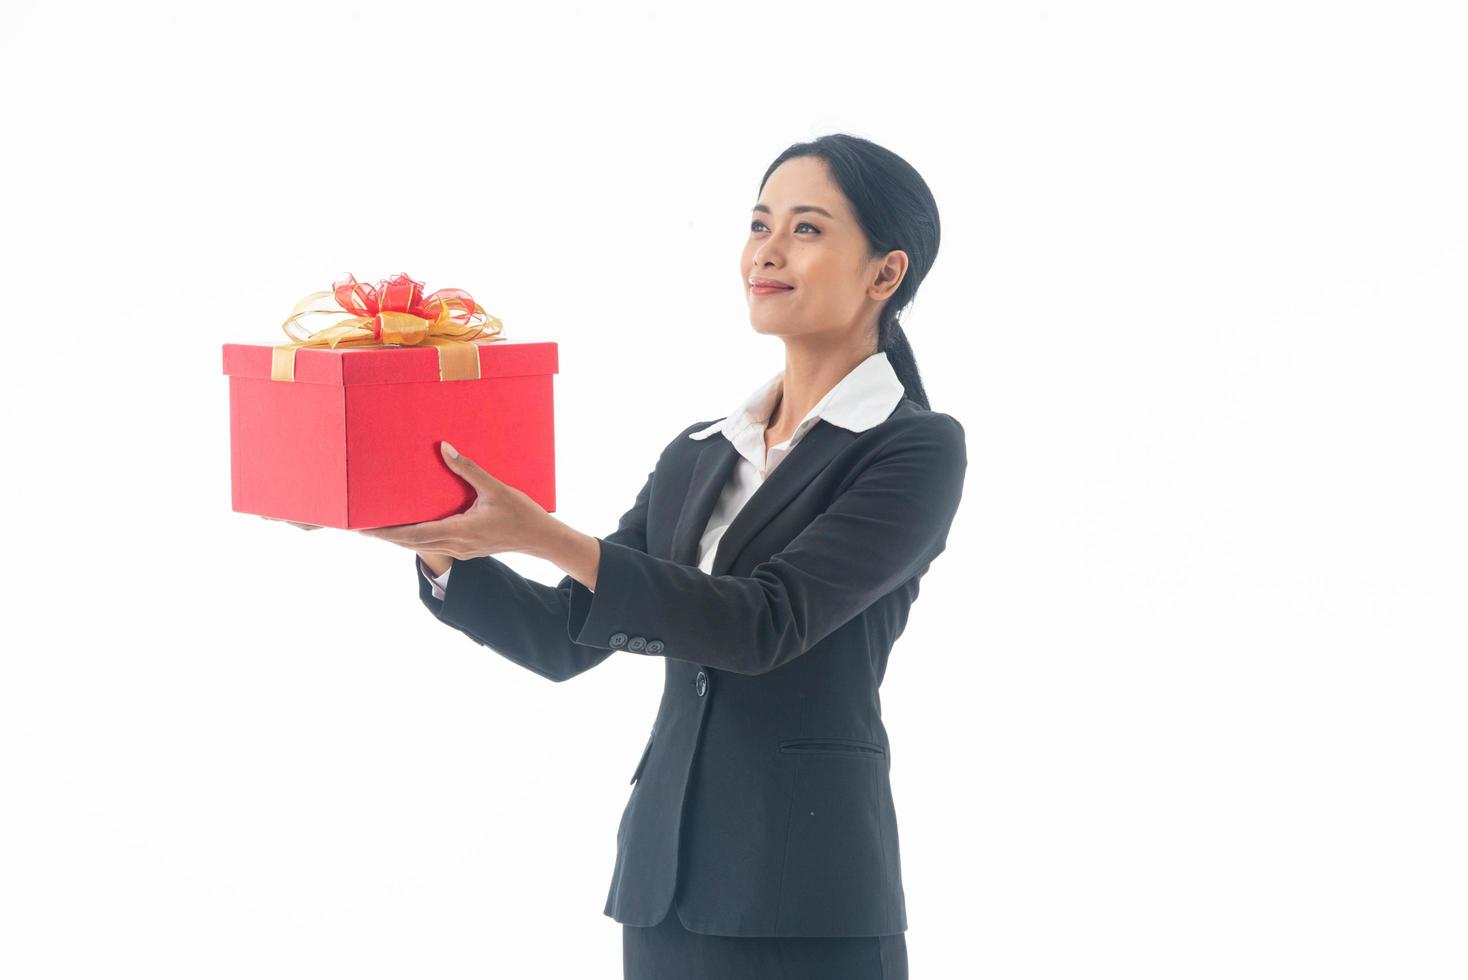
pixel 866 396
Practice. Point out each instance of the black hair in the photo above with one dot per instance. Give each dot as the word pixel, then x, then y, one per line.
pixel 896 210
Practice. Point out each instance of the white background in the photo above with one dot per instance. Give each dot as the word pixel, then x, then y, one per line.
pixel 1183 698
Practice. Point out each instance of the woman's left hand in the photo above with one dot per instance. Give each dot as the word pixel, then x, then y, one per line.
pixel 501 519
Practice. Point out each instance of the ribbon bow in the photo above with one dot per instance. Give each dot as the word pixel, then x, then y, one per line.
pixel 394 313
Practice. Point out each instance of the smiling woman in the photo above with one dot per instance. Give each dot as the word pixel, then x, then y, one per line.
pixel 768 559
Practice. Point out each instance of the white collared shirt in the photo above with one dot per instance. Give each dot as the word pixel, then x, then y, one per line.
pixel 865 396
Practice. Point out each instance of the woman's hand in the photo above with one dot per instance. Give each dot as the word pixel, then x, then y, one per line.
pixel 304 527
pixel 501 519
pixel 435 562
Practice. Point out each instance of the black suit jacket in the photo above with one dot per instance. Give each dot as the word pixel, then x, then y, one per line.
pixel 762 793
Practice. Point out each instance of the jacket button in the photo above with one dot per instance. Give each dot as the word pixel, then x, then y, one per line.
pixel 636 643
pixel 617 640
pixel 654 646
pixel 701 683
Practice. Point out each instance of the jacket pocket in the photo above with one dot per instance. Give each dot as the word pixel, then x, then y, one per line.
pixel 834 746
pixel 646 751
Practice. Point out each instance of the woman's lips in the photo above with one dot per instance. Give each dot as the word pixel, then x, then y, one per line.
pixel 762 290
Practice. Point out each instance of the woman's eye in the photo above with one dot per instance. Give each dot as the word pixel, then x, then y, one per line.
pixel 803 224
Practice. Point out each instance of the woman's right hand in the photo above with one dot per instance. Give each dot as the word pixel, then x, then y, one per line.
pixel 303 527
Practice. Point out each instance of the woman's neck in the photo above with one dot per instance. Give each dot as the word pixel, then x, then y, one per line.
pixel 809 376
pixel 775 431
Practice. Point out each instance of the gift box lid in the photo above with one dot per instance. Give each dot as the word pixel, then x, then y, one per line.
pixel 390 365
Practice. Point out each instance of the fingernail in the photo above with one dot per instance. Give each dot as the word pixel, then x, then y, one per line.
pixel 454 453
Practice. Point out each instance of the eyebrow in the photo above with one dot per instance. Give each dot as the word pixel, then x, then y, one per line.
pixel 798 209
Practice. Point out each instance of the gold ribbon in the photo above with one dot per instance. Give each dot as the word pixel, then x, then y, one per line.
pixel 458 339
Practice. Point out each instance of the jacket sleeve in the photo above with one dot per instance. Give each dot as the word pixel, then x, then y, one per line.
pixel 522 620
pixel 885 527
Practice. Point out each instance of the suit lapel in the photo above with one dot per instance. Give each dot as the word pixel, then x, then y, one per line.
pixel 711 472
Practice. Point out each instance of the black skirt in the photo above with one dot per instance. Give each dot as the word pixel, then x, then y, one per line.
pixel 668 951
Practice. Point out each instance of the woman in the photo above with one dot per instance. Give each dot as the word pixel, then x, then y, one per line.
pixel 771 559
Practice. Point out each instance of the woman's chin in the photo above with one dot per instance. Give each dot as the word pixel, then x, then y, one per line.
pixel 767 325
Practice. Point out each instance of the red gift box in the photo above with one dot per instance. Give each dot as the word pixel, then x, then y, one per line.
pixel 353 441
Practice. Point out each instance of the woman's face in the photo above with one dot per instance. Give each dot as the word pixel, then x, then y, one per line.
pixel 822 253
